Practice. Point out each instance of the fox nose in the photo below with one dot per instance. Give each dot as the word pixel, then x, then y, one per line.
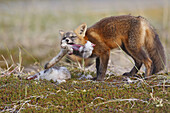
pixel 67 40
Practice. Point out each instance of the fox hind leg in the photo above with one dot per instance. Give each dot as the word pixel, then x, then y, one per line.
pixel 135 46
pixel 137 66
pixel 135 69
pixel 142 56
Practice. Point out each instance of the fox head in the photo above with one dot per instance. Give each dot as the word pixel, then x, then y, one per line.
pixel 73 41
pixel 74 37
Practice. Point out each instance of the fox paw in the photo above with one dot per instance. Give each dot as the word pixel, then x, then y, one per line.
pixel 46 66
pixel 94 78
pixel 97 79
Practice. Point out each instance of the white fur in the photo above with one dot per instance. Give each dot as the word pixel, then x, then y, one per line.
pixel 66 46
pixel 86 50
pixel 85 77
pixel 56 74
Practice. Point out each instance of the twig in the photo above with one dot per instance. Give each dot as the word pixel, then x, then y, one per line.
pixel 36 106
pixel 5 61
pixel 161 86
pixel 116 100
pixel 23 105
pixel 8 73
pixel 98 98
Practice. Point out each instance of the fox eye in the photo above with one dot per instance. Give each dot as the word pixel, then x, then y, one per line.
pixel 73 36
pixel 64 38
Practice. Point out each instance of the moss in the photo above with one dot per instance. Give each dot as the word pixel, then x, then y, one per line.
pixel 85 96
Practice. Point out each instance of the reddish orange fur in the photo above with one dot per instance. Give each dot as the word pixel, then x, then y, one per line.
pixel 134 34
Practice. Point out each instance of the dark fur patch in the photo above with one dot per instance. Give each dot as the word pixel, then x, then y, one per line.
pixel 157 55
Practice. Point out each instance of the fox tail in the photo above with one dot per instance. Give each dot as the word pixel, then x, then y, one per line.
pixel 156 53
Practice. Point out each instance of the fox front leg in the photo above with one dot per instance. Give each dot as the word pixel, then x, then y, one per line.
pixel 102 66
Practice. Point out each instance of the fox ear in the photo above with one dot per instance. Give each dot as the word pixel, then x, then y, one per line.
pixel 81 30
pixel 61 33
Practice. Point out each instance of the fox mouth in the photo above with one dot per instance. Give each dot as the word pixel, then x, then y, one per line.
pixel 78 47
pixel 70 43
pixel 75 46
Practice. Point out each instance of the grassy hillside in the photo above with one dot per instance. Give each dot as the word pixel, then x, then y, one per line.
pixel 115 94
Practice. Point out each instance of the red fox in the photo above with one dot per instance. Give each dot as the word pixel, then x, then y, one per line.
pixel 133 34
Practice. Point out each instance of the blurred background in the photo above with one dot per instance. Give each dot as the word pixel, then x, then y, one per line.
pixel 29 28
